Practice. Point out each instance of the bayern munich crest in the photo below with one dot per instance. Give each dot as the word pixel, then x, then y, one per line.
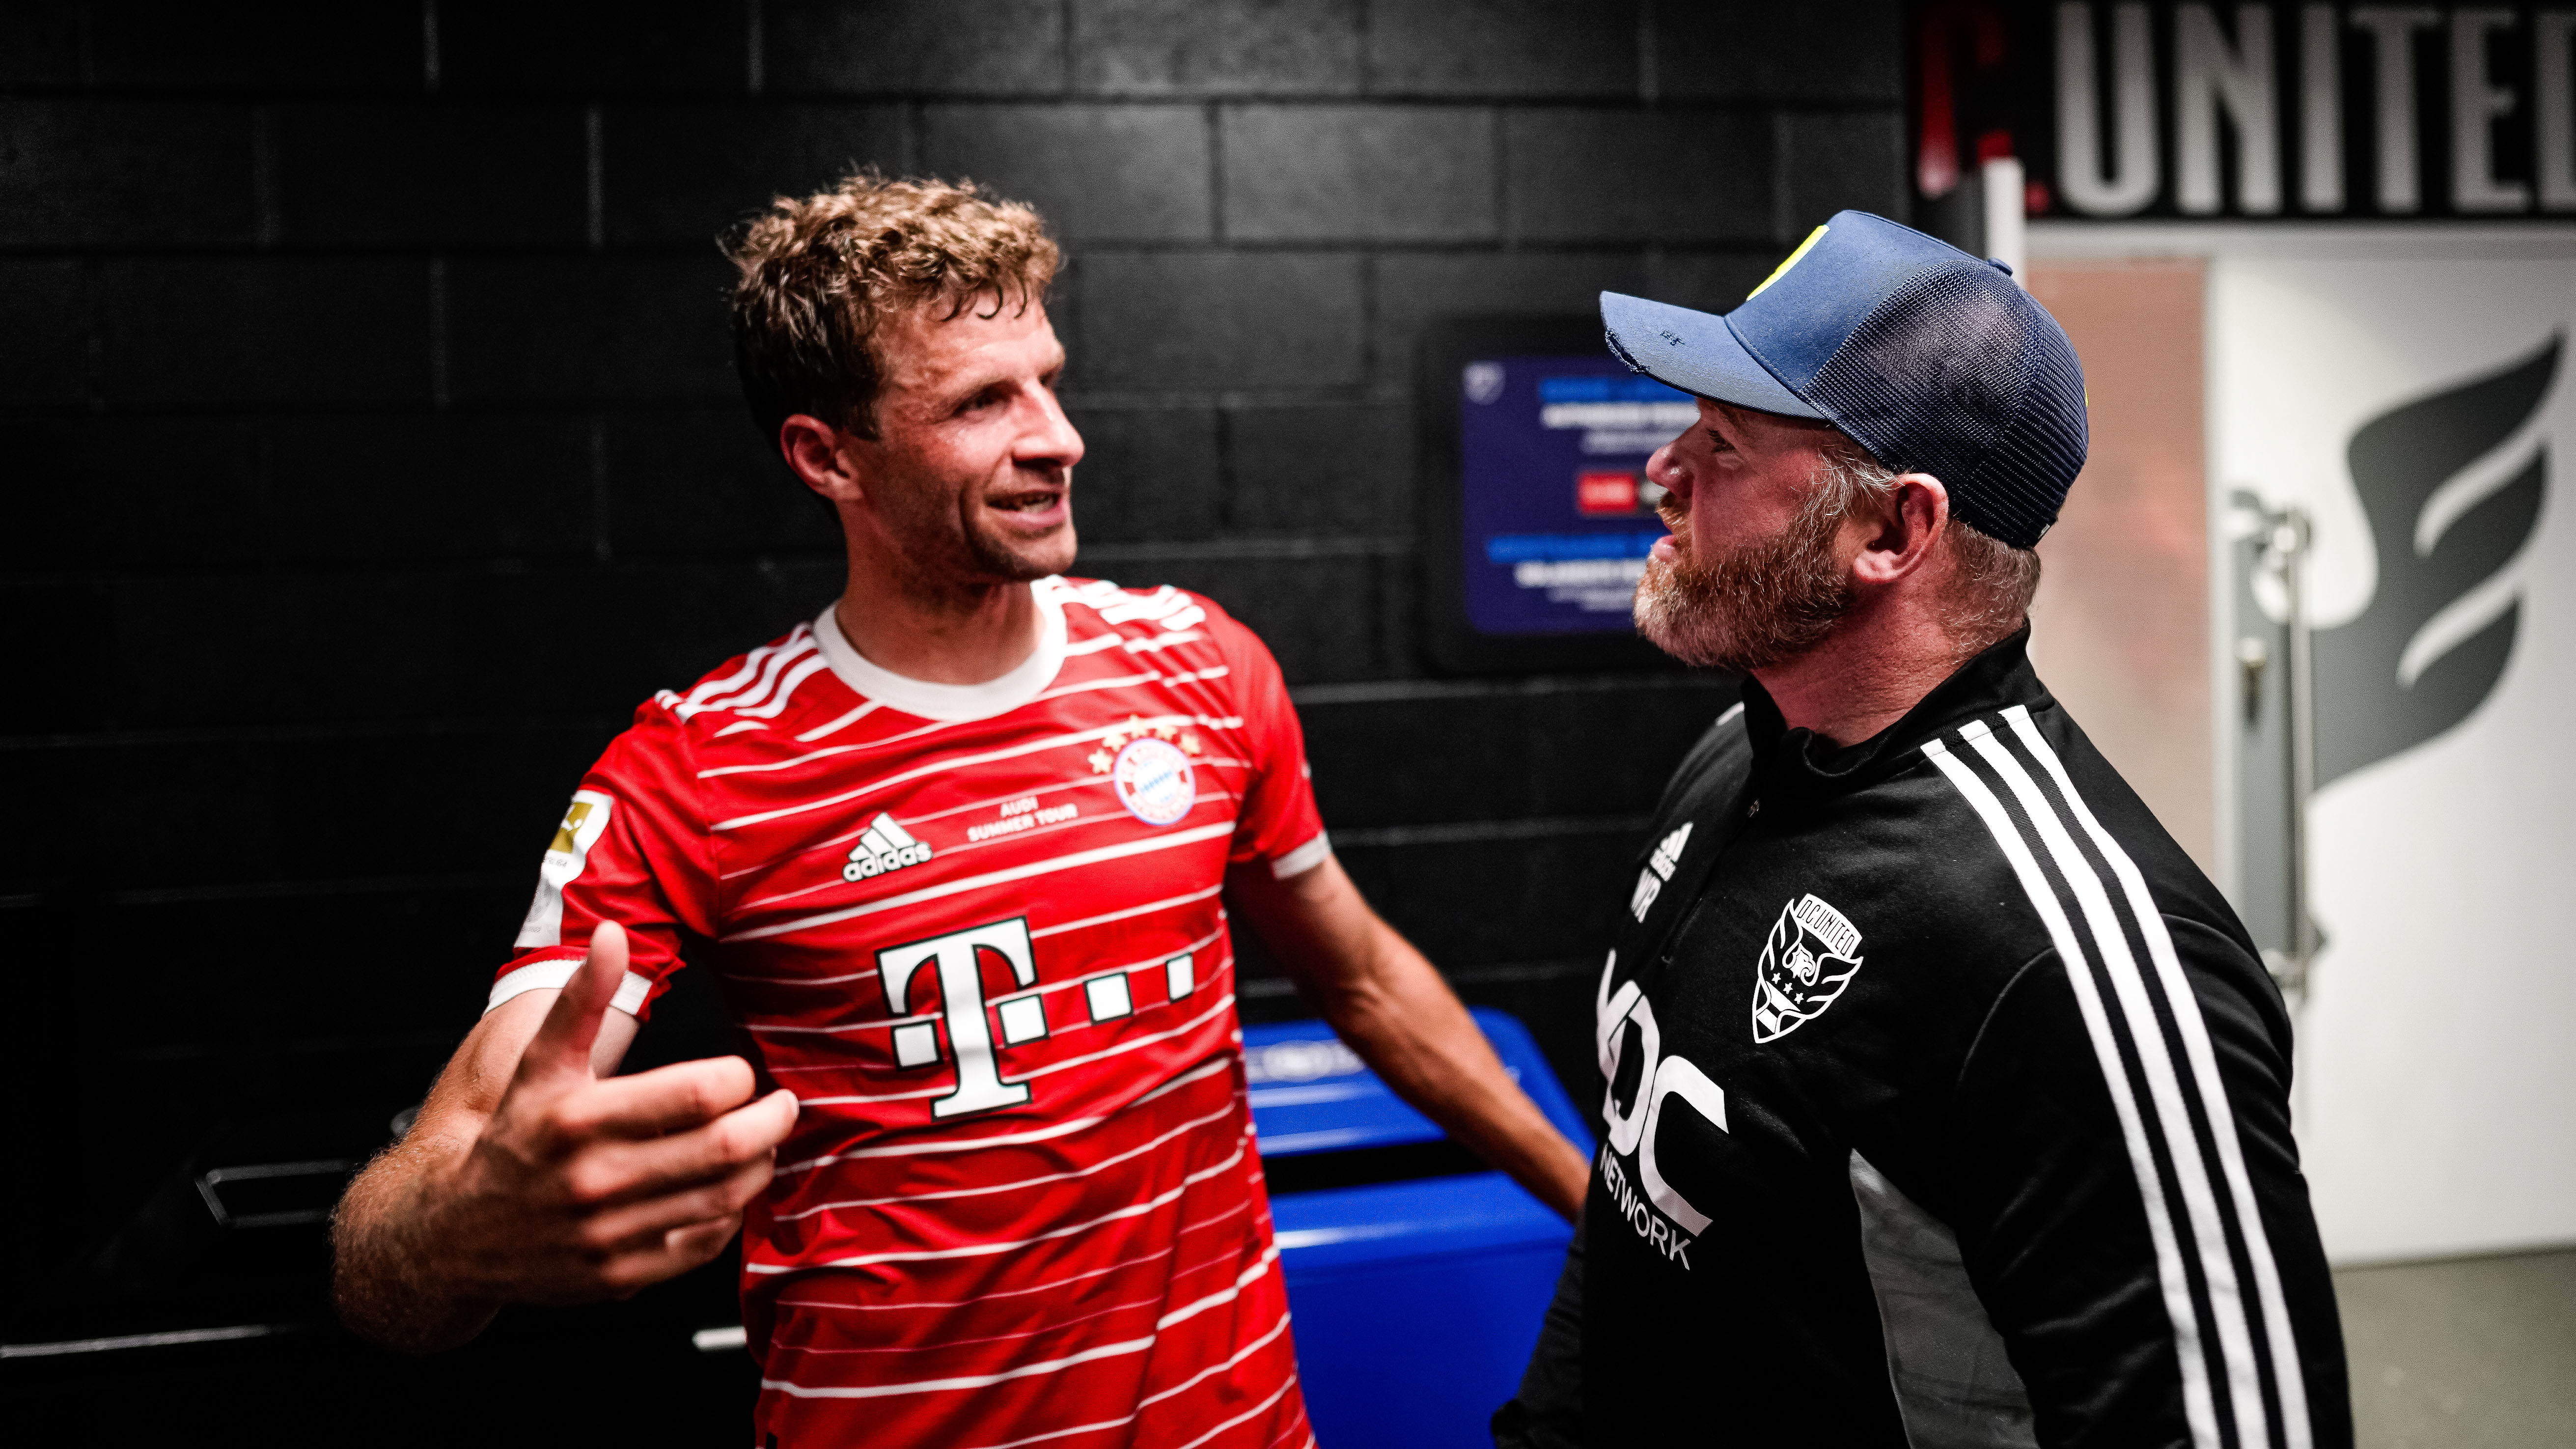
pixel 1813 953
pixel 1154 780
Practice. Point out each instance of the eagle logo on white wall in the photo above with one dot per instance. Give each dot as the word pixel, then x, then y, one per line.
pixel 2380 689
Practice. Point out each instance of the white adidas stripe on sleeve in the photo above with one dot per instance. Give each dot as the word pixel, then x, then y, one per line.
pixel 2164 1089
pixel 2132 1003
pixel 810 666
pixel 2198 1406
pixel 764 662
pixel 2203 1061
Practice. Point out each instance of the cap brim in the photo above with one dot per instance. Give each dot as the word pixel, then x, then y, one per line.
pixel 1696 352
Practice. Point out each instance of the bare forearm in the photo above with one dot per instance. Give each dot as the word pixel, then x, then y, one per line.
pixel 1405 1020
pixel 389 1281
pixel 1385 1000
pixel 395 1277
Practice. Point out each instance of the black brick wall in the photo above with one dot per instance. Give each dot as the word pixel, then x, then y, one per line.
pixel 371 444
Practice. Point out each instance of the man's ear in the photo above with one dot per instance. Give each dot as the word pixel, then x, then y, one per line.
pixel 1917 514
pixel 823 457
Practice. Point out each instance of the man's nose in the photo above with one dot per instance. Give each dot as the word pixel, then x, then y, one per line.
pixel 1666 472
pixel 1051 438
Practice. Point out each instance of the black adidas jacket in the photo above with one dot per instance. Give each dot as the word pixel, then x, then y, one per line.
pixel 1948 1105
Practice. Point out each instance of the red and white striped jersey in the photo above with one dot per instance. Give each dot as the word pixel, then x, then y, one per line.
pixel 977 930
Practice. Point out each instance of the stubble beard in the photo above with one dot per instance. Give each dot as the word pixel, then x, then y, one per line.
pixel 1763 603
pixel 944 557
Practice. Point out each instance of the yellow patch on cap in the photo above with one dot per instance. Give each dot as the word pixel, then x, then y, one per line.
pixel 1804 247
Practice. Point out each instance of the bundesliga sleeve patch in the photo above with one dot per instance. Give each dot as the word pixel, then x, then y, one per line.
pixel 584 821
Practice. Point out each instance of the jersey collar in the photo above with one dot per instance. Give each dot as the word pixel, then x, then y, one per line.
pixel 951 703
pixel 1799 761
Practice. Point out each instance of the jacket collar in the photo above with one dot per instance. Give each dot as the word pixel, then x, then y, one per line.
pixel 1801 763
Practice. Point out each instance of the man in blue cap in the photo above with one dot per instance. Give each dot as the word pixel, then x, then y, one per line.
pixel 1947 1100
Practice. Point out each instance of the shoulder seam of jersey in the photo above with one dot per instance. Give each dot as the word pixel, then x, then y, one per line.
pixel 1985 1022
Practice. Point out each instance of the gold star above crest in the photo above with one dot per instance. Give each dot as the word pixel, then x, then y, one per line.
pixel 1190 743
pixel 1164 732
pixel 1099 761
pixel 1114 738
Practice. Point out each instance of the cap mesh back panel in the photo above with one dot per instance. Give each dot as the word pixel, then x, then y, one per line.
pixel 1961 375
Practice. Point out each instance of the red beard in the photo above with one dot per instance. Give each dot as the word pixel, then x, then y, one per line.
pixel 1765 602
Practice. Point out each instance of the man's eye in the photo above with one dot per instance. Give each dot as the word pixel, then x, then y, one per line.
pixel 1718 440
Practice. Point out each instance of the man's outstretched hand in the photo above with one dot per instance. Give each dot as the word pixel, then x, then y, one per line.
pixel 568 1188
pixel 579 1188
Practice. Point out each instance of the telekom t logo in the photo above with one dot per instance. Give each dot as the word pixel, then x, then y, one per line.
pixel 980 1087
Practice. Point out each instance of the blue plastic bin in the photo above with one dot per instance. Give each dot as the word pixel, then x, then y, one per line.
pixel 1416 1301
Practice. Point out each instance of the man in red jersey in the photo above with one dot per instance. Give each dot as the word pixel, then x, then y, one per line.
pixel 957 849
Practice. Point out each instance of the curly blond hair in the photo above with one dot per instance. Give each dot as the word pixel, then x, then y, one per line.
pixel 822 273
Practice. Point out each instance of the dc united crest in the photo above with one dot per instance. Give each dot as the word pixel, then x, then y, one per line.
pixel 1813 952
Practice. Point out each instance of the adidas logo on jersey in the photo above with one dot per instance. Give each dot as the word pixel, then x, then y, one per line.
pixel 1659 869
pixel 1668 851
pixel 882 847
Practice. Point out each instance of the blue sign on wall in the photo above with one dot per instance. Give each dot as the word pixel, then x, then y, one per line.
pixel 1555 511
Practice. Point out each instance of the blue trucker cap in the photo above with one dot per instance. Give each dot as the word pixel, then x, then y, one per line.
pixel 1929 358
